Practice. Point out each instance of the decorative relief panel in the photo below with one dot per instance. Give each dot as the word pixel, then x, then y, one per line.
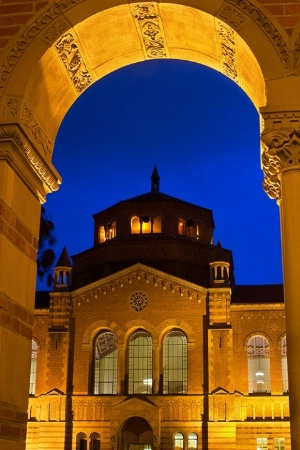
pixel 73 61
pixel 232 16
pixel 92 409
pixel 181 410
pixel 55 30
pixel 228 51
pixel 31 33
pixel 268 28
pixel 35 130
pixel 150 27
pixel 10 108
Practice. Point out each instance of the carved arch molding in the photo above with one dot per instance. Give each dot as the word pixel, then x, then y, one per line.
pixel 52 28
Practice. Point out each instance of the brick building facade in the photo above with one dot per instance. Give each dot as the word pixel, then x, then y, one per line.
pixel 146 341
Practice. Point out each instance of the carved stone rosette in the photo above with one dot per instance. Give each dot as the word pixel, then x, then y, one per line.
pixel 281 150
pixel 149 25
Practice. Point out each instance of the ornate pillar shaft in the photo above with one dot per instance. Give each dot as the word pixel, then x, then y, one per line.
pixel 281 164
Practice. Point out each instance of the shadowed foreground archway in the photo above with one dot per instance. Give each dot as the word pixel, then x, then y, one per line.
pixel 65 48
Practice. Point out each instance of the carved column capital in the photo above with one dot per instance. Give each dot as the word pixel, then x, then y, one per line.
pixel 280 152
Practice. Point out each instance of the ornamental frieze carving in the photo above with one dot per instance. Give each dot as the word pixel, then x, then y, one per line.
pixel 150 27
pixel 30 34
pixel 10 108
pixel 228 51
pixel 232 16
pixel 174 410
pixel 268 28
pixel 55 30
pixel 36 130
pixel 13 133
pixel 73 61
pixel 281 150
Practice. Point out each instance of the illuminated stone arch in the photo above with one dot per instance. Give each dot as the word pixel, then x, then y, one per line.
pixel 71 39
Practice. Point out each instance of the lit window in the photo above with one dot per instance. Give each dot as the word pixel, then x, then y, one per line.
pixel 101 234
pixel 279 444
pixel 95 441
pixel 105 363
pixel 140 364
pixel 192 441
pixel 178 441
pixel 181 226
pixel 107 232
pixel 146 224
pixel 175 363
pixel 32 384
pixel 258 365
pixel 261 444
pixel 157 224
pixel 135 225
pixel 284 369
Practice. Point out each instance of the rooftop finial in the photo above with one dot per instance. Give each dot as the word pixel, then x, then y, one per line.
pixel 155 180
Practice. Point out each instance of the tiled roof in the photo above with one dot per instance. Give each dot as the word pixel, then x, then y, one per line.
pixel 255 294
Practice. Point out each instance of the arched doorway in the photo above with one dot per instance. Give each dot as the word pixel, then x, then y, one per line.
pixel 136 434
pixel 71 40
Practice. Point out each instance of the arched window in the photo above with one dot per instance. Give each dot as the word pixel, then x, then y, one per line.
pixel 105 363
pixel 178 441
pixel 101 234
pixel 181 226
pixel 135 225
pixel 140 363
pixel 284 369
pixel 81 441
pixel 95 441
pixel 175 363
pixel 146 224
pixel 258 365
pixel 157 224
pixel 192 441
pixel 32 384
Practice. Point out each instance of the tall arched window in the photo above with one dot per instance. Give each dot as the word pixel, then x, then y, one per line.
pixel 178 441
pixel 81 441
pixel 32 383
pixel 175 363
pixel 105 363
pixel 156 224
pixel 284 369
pixel 192 441
pixel 140 363
pixel 95 441
pixel 258 365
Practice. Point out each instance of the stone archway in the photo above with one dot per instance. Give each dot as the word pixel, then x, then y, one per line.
pixel 135 434
pixel 61 51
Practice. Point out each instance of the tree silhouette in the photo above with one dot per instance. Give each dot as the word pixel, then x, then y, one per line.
pixel 46 255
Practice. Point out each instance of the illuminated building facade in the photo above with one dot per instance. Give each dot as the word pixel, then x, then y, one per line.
pixel 147 343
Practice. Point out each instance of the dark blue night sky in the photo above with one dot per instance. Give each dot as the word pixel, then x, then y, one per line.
pixel 202 132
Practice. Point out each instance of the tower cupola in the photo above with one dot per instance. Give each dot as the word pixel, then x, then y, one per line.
pixel 219 268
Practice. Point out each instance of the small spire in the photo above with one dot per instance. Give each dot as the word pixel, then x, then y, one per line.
pixel 63 272
pixel 64 259
pixel 155 180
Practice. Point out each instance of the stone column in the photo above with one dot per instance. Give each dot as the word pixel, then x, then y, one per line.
pixel 23 181
pixel 281 165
